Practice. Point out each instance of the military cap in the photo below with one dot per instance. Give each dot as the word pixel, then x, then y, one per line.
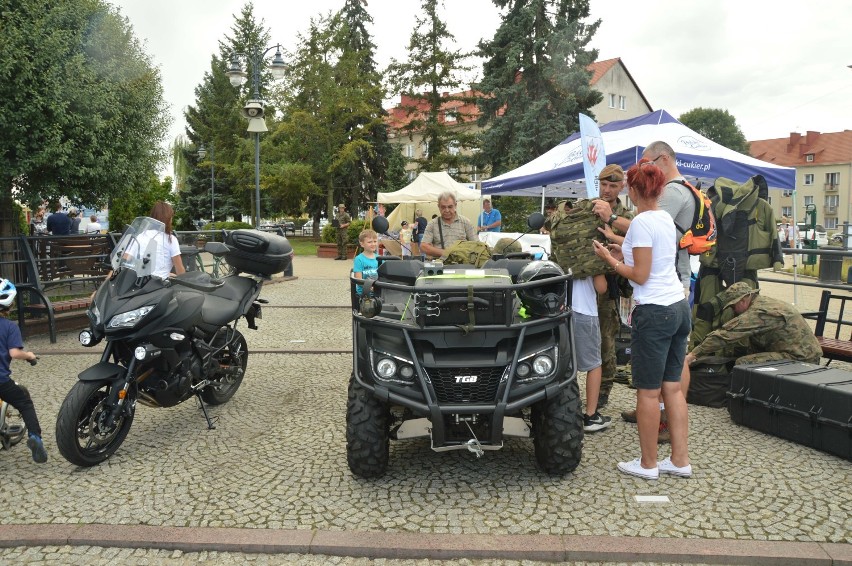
pixel 736 292
pixel 612 173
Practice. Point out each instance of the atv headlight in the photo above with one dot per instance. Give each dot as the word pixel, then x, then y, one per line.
pixel 390 368
pixel 536 366
pixel 130 318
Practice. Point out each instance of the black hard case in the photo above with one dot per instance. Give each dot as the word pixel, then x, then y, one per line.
pixel 253 251
pixel 443 300
pixel 806 403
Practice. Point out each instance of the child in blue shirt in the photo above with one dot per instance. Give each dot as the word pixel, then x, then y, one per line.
pixel 366 266
pixel 12 347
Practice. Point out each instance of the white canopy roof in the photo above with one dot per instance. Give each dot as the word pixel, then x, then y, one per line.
pixel 426 188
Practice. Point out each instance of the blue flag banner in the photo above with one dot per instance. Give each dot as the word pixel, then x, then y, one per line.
pixel 594 156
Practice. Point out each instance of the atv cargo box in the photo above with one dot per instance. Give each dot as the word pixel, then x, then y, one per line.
pixel 253 251
pixel 464 296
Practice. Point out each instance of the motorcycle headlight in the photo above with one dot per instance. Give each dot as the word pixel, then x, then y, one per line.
pixel 130 318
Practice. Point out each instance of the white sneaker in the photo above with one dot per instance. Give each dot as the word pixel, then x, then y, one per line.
pixel 634 468
pixel 666 467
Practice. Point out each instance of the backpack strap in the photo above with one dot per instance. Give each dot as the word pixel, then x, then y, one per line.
pixel 441 232
pixel 688 187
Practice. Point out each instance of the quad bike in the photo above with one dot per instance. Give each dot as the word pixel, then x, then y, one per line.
pixel 466 357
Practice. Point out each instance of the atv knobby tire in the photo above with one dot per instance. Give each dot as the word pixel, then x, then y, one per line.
pixel 367 432
pixel 558 431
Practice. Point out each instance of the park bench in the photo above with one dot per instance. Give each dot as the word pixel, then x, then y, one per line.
pixel 68 267
pixel 833 347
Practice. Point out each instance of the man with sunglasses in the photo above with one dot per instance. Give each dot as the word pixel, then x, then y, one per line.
pixel 447 229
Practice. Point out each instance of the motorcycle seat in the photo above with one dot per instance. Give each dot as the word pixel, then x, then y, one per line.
pixel 225 303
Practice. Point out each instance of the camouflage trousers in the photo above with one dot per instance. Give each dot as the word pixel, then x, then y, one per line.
pixel 341 243
pixel 610 323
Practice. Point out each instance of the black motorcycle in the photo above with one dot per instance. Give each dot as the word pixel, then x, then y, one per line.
pixel 167 340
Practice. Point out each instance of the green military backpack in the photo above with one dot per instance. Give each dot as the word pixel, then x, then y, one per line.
pixel 475 253
pixel 572 228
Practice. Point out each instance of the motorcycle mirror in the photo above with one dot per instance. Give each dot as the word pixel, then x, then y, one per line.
pixel 380 224
pixel 535 220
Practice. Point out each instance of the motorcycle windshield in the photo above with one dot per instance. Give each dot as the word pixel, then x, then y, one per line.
pixel 139 246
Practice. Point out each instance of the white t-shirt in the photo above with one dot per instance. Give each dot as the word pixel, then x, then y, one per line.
pixel 584 298
pixel 168 248
pixel 655 229
pixel 93 228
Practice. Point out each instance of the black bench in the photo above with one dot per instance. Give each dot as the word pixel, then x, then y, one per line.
pixel 833 347
pixel 72 266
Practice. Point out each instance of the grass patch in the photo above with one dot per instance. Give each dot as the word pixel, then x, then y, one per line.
pixel 303 245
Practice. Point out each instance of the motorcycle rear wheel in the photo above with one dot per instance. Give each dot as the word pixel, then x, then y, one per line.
pixel 230 368
pixel 80 435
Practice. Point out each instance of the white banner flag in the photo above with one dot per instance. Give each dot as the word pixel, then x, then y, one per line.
pixel 594 156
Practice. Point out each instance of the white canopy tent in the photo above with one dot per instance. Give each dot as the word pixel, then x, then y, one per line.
pixel 423 193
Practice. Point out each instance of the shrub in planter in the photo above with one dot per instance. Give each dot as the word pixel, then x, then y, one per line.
pixel 329 233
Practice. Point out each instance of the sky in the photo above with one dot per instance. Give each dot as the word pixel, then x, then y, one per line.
pixel 776 70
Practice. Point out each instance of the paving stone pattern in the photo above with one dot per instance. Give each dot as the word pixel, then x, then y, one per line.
pixel 276 460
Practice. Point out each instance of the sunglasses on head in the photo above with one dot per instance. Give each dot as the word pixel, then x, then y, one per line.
pixel 612 178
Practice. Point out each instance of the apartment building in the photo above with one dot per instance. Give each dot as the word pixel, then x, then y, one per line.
pixel 622 99
pixel 823 163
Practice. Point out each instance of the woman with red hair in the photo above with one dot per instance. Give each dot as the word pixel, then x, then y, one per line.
pixel 660 322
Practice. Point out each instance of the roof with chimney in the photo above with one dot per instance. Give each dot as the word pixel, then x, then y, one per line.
pixel 792 151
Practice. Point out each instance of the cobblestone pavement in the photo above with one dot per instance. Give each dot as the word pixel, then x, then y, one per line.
pixel 277 461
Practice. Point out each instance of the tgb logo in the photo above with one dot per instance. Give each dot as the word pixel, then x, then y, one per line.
pixel 466 378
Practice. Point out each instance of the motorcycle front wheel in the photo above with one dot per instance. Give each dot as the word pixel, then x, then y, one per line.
pixel 228 371
pixel 82 435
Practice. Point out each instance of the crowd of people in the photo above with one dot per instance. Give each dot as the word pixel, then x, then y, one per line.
pixel 60 222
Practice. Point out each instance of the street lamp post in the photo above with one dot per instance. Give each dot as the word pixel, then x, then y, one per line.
pixel 202 153
pixel 253 109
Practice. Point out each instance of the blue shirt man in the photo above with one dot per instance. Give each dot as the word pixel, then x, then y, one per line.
pixel 489 219
pixel 58 223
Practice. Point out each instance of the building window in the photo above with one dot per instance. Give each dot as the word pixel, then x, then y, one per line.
pixel 787 193
pixel 809 178
pixel 830 223
pixel 409 150
pixel 454 148
pixel 412 174
pixel 809 157
pixel 831 202
pixel 474 176
pixel 832 179
pixel 612 101
pixel 425 149
pixel 786 211
pixel 809 200
pixel 449 116
pixel 622 103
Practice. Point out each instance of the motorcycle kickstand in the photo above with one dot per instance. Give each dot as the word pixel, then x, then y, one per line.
pixel 210 425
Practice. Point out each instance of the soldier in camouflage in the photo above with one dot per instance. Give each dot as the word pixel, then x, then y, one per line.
pixel 611 184
pixel 764 329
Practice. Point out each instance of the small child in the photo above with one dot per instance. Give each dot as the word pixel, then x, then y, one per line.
pixel 587 340
pixel 12 347
pixel 406 236
pixel 366 266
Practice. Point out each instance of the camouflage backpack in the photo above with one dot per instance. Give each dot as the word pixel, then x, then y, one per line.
pixel 475 253
pixel 572 228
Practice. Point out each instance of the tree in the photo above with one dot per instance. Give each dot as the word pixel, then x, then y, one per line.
pixel 535 79
pixel 717 125
pixel 123 210
pixel 430 83
pixel 81 106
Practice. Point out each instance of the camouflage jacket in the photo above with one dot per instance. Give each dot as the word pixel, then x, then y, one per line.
pixel 768 325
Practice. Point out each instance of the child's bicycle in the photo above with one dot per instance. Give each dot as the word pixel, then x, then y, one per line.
pixel 12 428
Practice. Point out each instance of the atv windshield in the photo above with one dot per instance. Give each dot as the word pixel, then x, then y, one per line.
pixel 139 247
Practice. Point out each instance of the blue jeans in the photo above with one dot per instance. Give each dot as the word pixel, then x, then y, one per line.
pixel 659 336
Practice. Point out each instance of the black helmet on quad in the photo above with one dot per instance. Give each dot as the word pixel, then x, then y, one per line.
pixel 547 299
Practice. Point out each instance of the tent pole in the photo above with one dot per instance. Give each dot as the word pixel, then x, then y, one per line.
pixel 795 256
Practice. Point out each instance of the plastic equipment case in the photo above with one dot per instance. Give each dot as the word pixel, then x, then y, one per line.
pixel 446 299
pixel 806 403
pixel 253 251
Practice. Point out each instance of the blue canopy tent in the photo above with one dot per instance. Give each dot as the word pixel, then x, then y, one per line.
pixel 559 172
